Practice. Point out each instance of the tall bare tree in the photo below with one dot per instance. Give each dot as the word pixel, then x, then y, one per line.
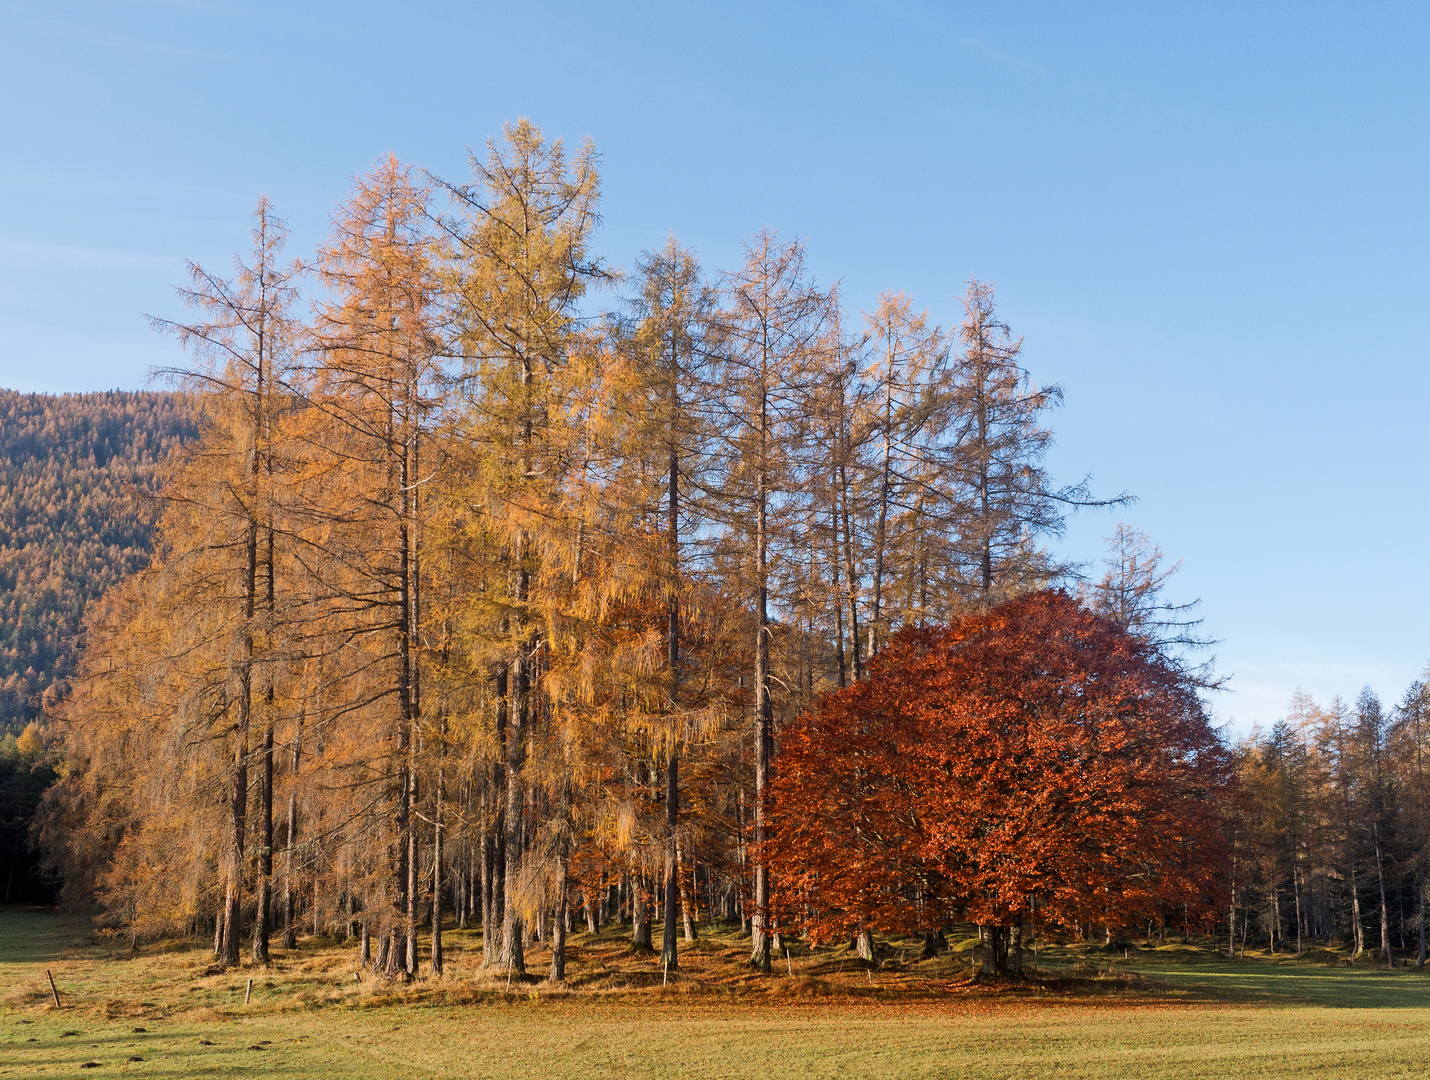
pixel 242 350
pixel 776 321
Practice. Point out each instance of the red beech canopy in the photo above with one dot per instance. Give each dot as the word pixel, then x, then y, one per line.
pixel 1032 761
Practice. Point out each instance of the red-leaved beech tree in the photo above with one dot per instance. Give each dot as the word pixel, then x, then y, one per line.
pixel 1031 764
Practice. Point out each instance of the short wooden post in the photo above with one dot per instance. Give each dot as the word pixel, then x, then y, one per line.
pixel 52 987
pixel 249 992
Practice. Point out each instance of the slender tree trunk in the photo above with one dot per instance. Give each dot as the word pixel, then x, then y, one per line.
pixel 985 502
pixel 1420 917
pixel 851 581
pixel 881 523
pixel 1275 916
pixel 685 898
pixel 558 930
pixel 290 930
pixel 414 887
pixel 1384 914
pixel 668 949
pixel 764 718
pixel 409 533
pixel 263 918
pixel 840 662
pixel 437 830
pixel 513 927
pixel 741 853
pixel 1357 928
pixel 494 861
pixel 238 791
pixel 641 913
pixel 263 914
pixel 1231 913
pixel 395 951
pixel 1296 886
pixel 668 954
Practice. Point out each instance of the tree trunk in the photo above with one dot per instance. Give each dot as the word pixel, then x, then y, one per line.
pixel 513 956
pixel 263 914
pixel 1275 917
pixel 641 913
pixel 987 951
pixel 1358 931
pixel 384 954
pixel 686 898
pixel 841 664
pixel 290 931
pixel 238 812
pixel 864 945
pixel 764 705
pixel 558 930
pixel 674 888
pixel 1296 885
pixel 1420 919
pixel 1384 914
pixel 881 522
pixel 851 581
pixel 1231 913
pixel 401 825
pixel 494 856
pixel 437 829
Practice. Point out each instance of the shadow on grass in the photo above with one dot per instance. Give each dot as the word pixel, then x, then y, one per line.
pixel 1270 983
pixel 34 935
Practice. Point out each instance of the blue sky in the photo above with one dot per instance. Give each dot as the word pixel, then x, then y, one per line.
pixel 1208 221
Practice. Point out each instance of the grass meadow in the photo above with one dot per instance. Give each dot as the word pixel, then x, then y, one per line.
pixel 1175 1011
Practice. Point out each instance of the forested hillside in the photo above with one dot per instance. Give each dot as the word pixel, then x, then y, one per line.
pixel 74 470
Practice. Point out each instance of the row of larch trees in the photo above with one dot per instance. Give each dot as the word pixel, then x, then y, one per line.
pixel 475 604
pixel 1332 840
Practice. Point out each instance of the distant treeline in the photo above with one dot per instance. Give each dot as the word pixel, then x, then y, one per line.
pixel 1331 830
pixel 76 471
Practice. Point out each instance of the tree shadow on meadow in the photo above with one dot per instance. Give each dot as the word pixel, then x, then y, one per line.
pixel 34 936
pixel 1269 982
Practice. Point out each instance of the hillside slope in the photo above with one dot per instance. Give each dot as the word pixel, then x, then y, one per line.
pixel 74 470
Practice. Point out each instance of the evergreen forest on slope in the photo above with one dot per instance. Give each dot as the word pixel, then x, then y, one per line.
pixel 71 525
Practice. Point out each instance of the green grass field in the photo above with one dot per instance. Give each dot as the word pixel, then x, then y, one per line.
pixel 1171 1012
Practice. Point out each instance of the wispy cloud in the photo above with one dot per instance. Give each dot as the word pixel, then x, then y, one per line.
pixel 18 252
pixel 928 27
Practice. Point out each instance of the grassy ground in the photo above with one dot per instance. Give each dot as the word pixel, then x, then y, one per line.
pixel 1173 1012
